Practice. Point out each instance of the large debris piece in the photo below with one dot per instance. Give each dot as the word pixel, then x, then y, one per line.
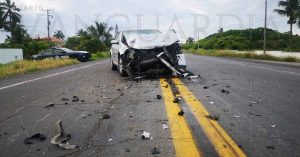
pixel 35 137
pixel 61 138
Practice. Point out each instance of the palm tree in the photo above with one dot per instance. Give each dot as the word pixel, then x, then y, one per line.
pixel 100 29
pixel 59 34
pixel 82 32
pixel 19 35
pixel 291 9
pixel 190 40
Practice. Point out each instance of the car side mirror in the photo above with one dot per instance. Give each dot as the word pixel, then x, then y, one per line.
pixel 114 42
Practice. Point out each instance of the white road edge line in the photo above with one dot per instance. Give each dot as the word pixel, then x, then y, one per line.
pixel 261 67
pixel 56 74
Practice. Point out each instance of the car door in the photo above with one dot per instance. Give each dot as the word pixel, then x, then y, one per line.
pixel 115 48
pixel 47 54
pixel 60 53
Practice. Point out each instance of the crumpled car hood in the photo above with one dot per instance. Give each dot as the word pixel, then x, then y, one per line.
pixel 150 41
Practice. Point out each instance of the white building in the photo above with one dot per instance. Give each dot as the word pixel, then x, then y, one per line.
pixel 10 55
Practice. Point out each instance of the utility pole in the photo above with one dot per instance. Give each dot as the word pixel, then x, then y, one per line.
pixel 198 37
pixel 265 31
pixel 48 21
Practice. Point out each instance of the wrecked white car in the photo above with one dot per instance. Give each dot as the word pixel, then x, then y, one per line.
pixel 147 52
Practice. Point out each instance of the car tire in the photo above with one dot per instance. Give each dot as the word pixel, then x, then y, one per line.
pixel 120 67
pixel 113 66
pixel 82 59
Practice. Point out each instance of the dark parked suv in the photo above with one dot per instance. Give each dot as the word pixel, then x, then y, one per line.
pixel 82 56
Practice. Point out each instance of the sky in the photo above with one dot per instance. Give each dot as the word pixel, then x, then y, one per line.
pixel 195 18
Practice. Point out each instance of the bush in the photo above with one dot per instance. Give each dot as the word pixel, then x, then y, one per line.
pixel 85 43
pixel 244 40
pixel 100 55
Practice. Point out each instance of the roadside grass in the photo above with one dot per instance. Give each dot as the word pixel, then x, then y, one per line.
pixel 100 55
pixel 245 55
pixel 22 67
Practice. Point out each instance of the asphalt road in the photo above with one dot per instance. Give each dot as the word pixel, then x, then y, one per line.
pixel 268 128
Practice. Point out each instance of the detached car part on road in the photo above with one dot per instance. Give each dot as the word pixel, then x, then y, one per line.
pixel 140 52
pixel 82 56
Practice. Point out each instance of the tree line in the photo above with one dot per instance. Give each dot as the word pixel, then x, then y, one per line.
pixel 248 39
pixel 95 38
pixel 251 39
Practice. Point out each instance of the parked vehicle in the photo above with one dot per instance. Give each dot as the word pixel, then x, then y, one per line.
pixel 135 52
pixel 82 56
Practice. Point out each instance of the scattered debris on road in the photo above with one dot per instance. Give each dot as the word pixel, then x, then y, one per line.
pixel 258 115
pixel 158 96
pixel 50 104
pixel 61 138
pixel 64 99
pixel 181 113
pixel 271 147
pixel 75 99
pixel 35 137
pixel 146 135
pixel 155 151
pixel 225 91
pixel 165 126
pixel 177 100
pixel 127 150
pixel 255 102
pixel 99 101
pixel 226 110
pixel 106 116
pixel 213 117
pixel 66 145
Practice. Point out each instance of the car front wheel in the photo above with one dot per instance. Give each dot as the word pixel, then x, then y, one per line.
pixel 120 67
pixel 113 66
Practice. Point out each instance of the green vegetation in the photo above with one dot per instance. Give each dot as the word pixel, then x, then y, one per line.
pixel 244 55
pixel 100 55
pixel 245 40
pixel 252 39
pixel 30 47
pixel 59 35
pixel 95 38
pixel 22 67
pixel 10 21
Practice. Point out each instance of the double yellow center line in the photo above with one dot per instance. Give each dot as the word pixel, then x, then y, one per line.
pixel 183 140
